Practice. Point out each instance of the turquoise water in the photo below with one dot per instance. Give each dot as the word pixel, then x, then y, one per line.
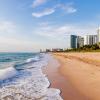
pixel 12 63
pixel 15 59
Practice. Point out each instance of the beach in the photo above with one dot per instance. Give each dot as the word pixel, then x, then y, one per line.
pixel 51 76
pixel 77 75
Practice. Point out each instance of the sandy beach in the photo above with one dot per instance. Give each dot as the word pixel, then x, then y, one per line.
pixel 77 75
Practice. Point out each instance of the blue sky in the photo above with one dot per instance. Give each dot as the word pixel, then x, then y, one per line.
pixel 28 25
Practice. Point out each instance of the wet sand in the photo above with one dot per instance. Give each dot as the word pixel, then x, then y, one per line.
pixel 62 82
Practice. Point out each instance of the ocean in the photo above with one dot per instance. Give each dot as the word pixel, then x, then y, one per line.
pixel 21 77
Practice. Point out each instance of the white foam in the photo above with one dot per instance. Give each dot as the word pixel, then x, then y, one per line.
pixel 32 59
pixel 7 73
pixel 30 84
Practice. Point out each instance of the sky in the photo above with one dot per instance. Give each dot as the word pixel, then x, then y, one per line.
pixel 31 25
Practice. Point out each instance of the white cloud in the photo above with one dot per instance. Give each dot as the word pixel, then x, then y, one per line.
pixel 59 32
pixel 37 3
pixel 43 13
pixel 7 27
pixel 68 8
pixel 71 10
pixel 43 23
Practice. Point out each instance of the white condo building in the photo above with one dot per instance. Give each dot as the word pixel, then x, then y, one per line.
pixel 98 34
pixel 90 39
pixel 86 40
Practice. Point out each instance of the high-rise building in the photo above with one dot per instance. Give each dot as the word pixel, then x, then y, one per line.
pixel 73 41
pixel 90 39
pixel 98 35
pixel 86 39
pixel 95 40
pixel 80 41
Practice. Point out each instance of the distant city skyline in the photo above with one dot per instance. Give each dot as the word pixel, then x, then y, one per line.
pixel 31 25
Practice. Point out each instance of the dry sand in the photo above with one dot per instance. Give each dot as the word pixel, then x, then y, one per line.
pixel 83 71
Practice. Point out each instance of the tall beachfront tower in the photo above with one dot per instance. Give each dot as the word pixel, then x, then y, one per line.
pixel 86 40
pixel 80 41
pixel 73 41
pixel 98 34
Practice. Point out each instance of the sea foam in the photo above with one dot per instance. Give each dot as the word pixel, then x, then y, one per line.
pixel 32 59
pixel 29 84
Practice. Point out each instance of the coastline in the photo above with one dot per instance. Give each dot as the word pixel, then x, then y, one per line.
pixel 83 72
pixel 29 83
pixel 57 76
pixel 58 80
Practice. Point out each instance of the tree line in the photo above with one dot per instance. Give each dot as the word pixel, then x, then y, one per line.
pixel 94 47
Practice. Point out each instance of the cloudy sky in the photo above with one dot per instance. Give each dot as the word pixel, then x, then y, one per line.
pixel 28 25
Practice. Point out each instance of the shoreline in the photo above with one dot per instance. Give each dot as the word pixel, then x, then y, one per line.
pixel 59 81
pixel 30 83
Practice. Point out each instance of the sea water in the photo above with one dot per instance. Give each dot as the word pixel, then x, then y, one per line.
pixel 21 77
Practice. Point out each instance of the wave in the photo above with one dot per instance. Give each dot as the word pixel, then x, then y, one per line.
pixel 25 65
pixel 33 59
pixel 5 59
pixel 7 73
pixel 28 83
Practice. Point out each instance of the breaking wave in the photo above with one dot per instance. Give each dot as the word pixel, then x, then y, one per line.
pixel 7 73
pixel 29 83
